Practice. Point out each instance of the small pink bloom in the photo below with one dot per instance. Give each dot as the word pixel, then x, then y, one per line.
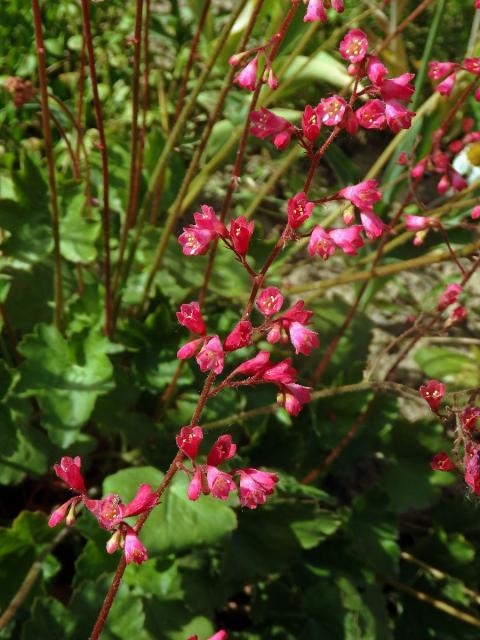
pixel 297 313
pixel 320 243
pixel 354 46
pixel 348 239
pixel 363 195
pixel 441 462
pixel 315 11
pixel 419 169
pixel 398 88
pixel 276 333
pixel 207 219
pixel 376 71
pixel 255 486
pixel 189 440
pixel 134 550
pixel 69 471
pixel 196 485
pixel 294 397
pixel 471 462
pixel 469 418
pixel 144 500
pixel 189 349
pixel 458 182
pixel 338 6
pixel 372 115
pixel 311 122
pixel 194 241
pixel 449 296
pixel 240 233
pixel 282 139
pixel 350 121
pixel 472 65
pixel 253 366
pixel 59 514
pixel 475 213
pixel 282 372
pixel 402 159
pixel 332 110
pixel 303 339
pixel 432 393
pixel 113 543
pixel 270 301
pixel 299 210
pixel 459 314
pixel 445 87
pixel 222 450
pixel 372 224
pixel 266 123
pixel 443 184
pixel 190 316
pixel 272 80
pixel 247 78
pixel 438 70
pixel 441 161
pixel 398 117
pixel 417 223
pixel 239 337
pixel 220 635
pixel 211 356
pixel 219 483
pixel 109 511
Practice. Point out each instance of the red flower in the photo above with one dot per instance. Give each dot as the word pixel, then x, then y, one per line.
pixel 398 88
pixel 194 241
pixel 472 65
pixel 133 548
pixel 432 393
pixel 211 356
pixel 332 110
pixel 320 243
pixel 372 224
pixel 311 123
pixel 299 210
pixel 270 301
pixel 449 296
pixel 240 233
pixel 372 115
pixel 471 462
pixel 469 418
pixel 376 71
pixel 207 219
pixel 398 117
pixel 266 123
pixel 293 397
pixel 253 366
pixel 189 440
pixel 442 462
pixel 69 471
pixel 247 78
pixel 190 316
pixel 219 483
pixel 255 486
pixel 348 239
pixel 189 348
pixel 363 195
pixel 303 339
pixel 240 336
pixel 222 450
pixel 438 70
pixel 354 46
pixel 315 11
pixel 281 373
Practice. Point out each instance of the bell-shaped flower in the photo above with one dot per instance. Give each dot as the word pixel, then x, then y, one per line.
pixel 303 339
pixel 211 356
pixel 399 88
pixel 299 210
pixel 449 296
pixel 64 511
pixel 219 483
pixel 432 393
pixel 293 397
pixel 398 117
pixel 69 471
pixel 222 450
pixel 133 549
pixel 363 195
pixel 240 233
pixel 190 317
pixel 239 337
pixel 281 373
pixel 372 224
pixel 265 123
pixel 189 349
pixel 333 110
pixel 270 301
pixel 255 486
pixel 320 243
pixel 253 366
pixel 417 223
pixel 315 11
pixel 188 441
pixel 376 71
pixel 372 115
pixel 354 46
pixel 441 462
pixel 471 463
pixel 194 241
pixel 247 78
pixel 348 239
pixel 311 123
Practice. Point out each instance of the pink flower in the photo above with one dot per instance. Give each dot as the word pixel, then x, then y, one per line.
pixel 432 393
pixel 297 313
pixel 320 243
pixel 372 224
pixel 195 487
pixel 402 159
pixel 471 462
pixel 315 11
pixel 220 635
pixel 354 46
pixel 469 418
pixel 190 316
pixel 281 373
pixel 189 349
pixel 110 511
pixel 240 336
pixel 419 169
pixel 272 80
pixel 311 122
pixel 449 296
pixel 332 110
pixel 211 356
pixel 438 70
pixel 441 462
pixel 253 366
pixel 303 339
pixel 134 549
pixel 475 213
pixel 398 88
pixel 299 210
pixel 398 117
pixel 194 241
pixel 458 182
pixel 363 195
pixel 459 314
pixel 66 510
pixel 445 87
pixel 207 219
pixel 472 65
pixel 338 6
pixel 417 223
pixel 348 239
pixel 240 233
pixel 371 115
pixel 69 471
pixel 270 301
pixel 222 450
pixel 247 78
pixel 266 123
pixel 282 139
pixel 255 486
pixel 189 440
pixel 376 71
pixel 294 397
pixel 219 483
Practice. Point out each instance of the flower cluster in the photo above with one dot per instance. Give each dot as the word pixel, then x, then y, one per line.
pixel 109 511
pixel 445 74
pixel 467 422
pixel 253 487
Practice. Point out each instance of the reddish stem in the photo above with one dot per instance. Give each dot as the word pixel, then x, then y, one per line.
pixel 81 92
pixel 103 150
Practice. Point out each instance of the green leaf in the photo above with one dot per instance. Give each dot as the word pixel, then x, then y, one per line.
pixel 455 367
pixel 49 619
pixel 78 236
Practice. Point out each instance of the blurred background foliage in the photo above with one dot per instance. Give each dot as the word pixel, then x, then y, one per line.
pixel 377 546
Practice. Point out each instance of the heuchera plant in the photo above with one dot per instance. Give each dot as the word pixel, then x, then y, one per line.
pixel 376 101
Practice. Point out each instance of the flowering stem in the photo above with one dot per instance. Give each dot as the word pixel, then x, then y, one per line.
pixel 103 151
pixel 47 134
